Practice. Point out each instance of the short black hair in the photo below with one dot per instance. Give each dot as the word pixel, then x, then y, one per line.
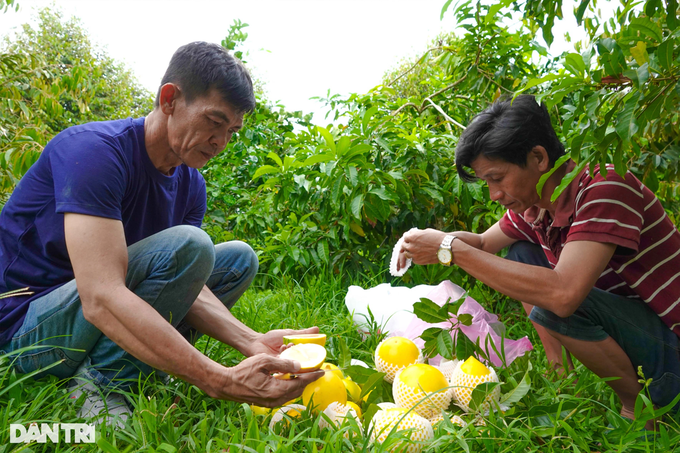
pixel 198 67
pixel 508 130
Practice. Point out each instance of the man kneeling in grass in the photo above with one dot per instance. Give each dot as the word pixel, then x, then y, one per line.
pixel 598 270
pixel 105 230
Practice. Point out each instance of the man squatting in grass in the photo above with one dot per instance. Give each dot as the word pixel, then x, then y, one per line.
pixel 105 229
pixel 598 270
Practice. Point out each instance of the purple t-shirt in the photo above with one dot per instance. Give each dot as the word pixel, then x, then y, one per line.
pixel 100 169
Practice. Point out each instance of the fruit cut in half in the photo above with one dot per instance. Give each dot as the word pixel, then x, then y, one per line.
pixel 417 381
pixel 466 377
pixel 315 338
pixel 310 356
pixel 394 354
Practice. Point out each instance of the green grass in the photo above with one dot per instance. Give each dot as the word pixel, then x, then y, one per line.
pixel 558 414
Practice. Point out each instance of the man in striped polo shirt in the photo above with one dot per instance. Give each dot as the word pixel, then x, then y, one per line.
pixel 598 269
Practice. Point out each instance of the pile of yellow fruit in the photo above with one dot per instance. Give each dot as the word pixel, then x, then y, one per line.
pixel 422 392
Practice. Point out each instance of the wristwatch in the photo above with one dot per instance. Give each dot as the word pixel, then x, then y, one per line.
pixel 444 254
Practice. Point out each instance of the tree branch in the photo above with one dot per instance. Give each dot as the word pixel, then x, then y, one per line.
pixel 414 65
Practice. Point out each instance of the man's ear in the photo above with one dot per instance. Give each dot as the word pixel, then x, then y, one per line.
pixel 168 98
pixel 540 158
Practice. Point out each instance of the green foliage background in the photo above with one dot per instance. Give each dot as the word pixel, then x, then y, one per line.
pixel 340 196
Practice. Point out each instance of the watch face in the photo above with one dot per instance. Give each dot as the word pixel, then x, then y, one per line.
pixel 444 256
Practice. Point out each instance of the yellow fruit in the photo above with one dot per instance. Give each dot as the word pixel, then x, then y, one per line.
pixel 330 367
pixel 316 338
pixel 466 377
pixel 385 420
pixel 356 408
pixel 310 356
pixel 293 411
pixel 474 367
pixel 353 390
pixel 417 381
pixel 324 391
pixel 257 410
pixel 394 354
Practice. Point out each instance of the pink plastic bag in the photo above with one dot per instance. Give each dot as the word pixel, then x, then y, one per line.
pixel 484 324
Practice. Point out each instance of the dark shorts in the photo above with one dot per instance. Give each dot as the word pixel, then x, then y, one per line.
pixel 647 341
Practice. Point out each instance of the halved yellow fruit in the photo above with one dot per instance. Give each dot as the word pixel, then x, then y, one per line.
pixel 310 356
pixel 316 338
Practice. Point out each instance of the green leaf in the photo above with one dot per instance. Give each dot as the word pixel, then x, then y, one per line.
pixel 445 345
pixel 342 145
pixel 568 179
pixel 265 170
pixel 544 178
pixel 574 63
pixel 356 205
pixel 639 52
pixel 645 26
pixel 464 347
pixel 345 357
pixel 581 10
pixel 273 156
pixel 534 82
pixel 322 250
pixel 428 311
pixel 520 390
pixel 465 319
pixel 479 394
pixel 664 53
pixel 373 381
pixel 317 158
pixel 672 14
pixel 444 8
pixel 327 137
pixel 626 125
pixel 367 117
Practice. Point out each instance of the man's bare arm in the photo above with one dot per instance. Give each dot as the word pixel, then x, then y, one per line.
pixel 98 253
pixel 422 245
pixel 560 290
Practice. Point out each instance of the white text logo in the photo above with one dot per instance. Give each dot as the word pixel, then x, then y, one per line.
pixel 73 433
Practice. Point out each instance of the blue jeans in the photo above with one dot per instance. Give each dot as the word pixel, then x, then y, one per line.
pixel 167 271
pixel 639 331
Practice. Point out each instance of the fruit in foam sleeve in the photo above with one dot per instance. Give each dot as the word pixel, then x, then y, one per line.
pixel 414 383
pixel 385 420
pixel 292 410
pixel 337 413
pixel 394 354
pixel 466 377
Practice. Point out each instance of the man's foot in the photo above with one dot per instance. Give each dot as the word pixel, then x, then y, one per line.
pixel 99 403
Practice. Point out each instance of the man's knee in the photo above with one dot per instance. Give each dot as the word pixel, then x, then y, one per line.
pixel 240 256
pixel 194 247
pixel 527 253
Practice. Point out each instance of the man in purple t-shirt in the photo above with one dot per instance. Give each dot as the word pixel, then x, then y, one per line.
pixel 104 230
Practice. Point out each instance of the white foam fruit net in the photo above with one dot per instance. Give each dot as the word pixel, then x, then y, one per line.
pixel 390 369
pixel 463 385
pixel 385 420
pixel 279 414
pixel 407 397
pixel 337 413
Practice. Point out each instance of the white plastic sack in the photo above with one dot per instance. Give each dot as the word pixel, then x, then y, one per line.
pixel 392 307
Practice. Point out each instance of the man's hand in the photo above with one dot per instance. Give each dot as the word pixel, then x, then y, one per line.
pixel 252 381
pixel 421 246
pixel 272 342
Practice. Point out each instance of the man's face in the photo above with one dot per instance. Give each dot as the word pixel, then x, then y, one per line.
pixel 199 131
pixel 511 185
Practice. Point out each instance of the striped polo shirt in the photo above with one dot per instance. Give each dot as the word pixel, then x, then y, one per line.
pixel 620 211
